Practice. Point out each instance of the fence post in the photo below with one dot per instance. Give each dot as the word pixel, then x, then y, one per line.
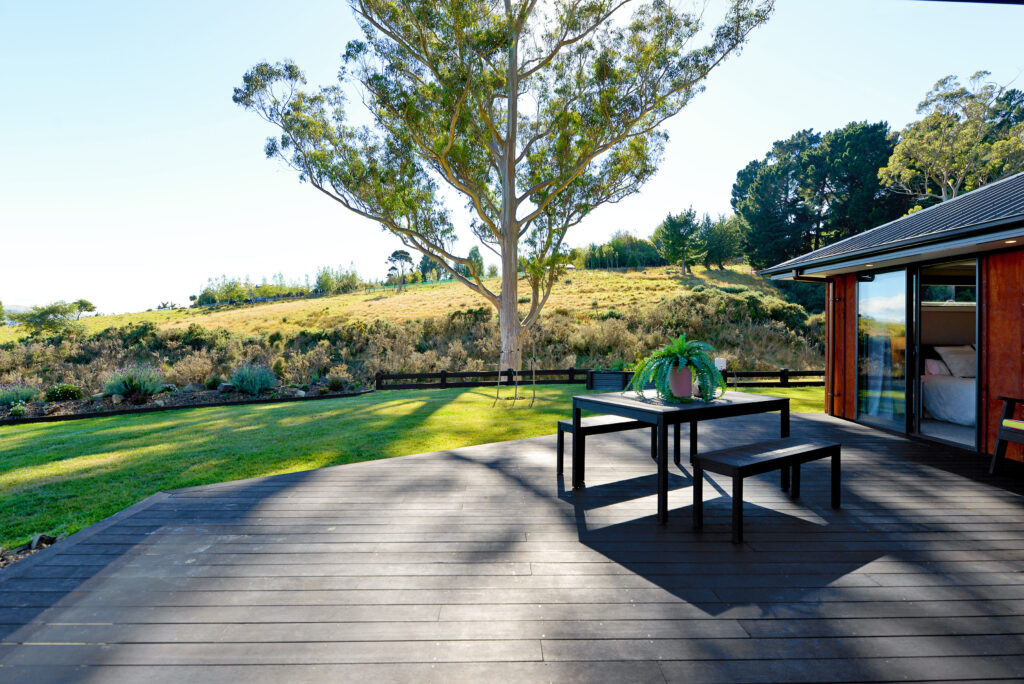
pixel 572 375
pixel 379 380
pixel 511 376
pixel 783 376
pixel 444 379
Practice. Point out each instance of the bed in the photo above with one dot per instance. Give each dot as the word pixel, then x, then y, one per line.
pixel 946 395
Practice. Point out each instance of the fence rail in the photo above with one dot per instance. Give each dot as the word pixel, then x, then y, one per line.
pixel 609 380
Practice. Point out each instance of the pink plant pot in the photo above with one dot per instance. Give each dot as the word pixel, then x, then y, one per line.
pixel 680 381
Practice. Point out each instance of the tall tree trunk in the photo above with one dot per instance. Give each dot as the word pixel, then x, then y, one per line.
pixel 508 314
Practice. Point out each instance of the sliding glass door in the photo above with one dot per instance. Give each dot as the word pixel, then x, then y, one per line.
pixel 882 349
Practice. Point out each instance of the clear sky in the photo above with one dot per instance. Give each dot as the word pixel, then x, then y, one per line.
pixel 128 177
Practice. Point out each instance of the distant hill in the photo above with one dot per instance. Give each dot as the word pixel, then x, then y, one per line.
pixel 16 308
pixel 582 293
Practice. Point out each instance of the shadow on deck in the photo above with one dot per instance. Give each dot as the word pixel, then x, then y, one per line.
pixel 478 564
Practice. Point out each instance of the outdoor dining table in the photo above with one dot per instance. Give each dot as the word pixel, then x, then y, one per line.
pixel 650 409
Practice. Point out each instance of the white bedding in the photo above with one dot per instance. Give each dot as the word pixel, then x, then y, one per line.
pixel 949 398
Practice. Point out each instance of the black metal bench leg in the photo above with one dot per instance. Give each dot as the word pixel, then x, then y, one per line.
pixel 698 497
pixel 836 478
pixel 997 455
pixel 561 452
pixel 654 443
pixel 794 488
pixel 784 478
pixel 737 509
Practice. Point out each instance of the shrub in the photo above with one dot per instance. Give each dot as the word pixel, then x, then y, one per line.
pixel 18 409
pixel 252 379
pixel 195 367
pixel 336 384
pixel 63 392
pixel 135 381
pixel 213 382
pixel 17 393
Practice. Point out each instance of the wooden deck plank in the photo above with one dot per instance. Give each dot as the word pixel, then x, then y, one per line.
pixel 477 564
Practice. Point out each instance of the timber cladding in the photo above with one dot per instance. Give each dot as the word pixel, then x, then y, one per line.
pixel 841 383
pixel 1002 334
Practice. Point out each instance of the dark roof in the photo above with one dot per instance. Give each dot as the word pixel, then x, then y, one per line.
pixel 993 205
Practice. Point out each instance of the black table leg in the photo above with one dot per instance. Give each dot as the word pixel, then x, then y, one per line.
pixel 784 420
pixel 662 470
pixel 693 439
pixel 794 490
pixel 784 478
pixel 678 430
pixel 577 449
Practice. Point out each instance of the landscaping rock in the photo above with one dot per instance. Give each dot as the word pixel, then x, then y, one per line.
pixel 116 398
pixel 98 396
pixel 170 387
pixel 50 409
pixel 225 387
pixel 159 403
pixel 193 387
pixel 41 540
pixel 292 393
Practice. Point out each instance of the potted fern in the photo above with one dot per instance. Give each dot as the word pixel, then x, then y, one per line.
pixel 671 370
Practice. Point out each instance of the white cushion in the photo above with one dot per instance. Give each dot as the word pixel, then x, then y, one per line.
pixel 935 367
pixel 960 360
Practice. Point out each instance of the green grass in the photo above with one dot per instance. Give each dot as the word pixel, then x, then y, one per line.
pixel 60 477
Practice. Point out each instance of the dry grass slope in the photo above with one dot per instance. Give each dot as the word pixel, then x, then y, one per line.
pixel 579 292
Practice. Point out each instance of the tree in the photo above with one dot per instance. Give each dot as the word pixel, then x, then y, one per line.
pixel 811 190
pixel 674 237
pixel 83 306
pixel 57 318
pixel 492 270
pixel 535 113
pixel 969 137
pixel 474 268
pixel 721 240
pixel 3 315
pixel 399 260
pixel 427 267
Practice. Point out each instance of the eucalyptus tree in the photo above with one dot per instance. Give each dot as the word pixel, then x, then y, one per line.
pixel 534 113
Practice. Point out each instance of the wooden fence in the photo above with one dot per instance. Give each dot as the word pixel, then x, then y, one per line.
pixel 608 380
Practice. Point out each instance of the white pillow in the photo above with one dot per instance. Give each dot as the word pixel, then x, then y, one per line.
pixel 961 360
pixel 935 367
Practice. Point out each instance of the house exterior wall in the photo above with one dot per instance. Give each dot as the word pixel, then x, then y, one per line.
pixel 1002 334
pixel 841 380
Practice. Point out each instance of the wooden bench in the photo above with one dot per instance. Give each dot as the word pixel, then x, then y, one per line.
pixel 755 459
pixel 600 425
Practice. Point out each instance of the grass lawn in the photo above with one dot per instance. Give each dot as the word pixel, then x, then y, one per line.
pixel 60 477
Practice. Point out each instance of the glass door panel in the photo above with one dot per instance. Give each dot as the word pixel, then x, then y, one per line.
pixel 882 350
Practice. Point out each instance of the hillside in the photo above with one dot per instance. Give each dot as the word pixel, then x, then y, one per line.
pixel 580 292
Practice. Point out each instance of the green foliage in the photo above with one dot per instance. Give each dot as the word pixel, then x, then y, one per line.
pixel 577 90
pixel 82 306
pixel 680 353
pixel 253 379
pixel 63 392
pixel 720 241
pixel 812 190
pixel 675 237
pixel 233 290
pixel 213 382
pixel 15 393
pixel 57 318
pixel 18 409
pixel 3 315
pixel 135 381
pixel 338 281
pixel 279 367
pixel 969 136
pixel 618 252
pixel 336 383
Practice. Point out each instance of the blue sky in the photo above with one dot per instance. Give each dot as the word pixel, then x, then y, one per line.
pixel 128 177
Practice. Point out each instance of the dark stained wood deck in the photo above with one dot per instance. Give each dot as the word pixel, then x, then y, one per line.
pixel 477 565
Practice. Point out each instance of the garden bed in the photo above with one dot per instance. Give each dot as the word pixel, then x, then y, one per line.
pixel 98 407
